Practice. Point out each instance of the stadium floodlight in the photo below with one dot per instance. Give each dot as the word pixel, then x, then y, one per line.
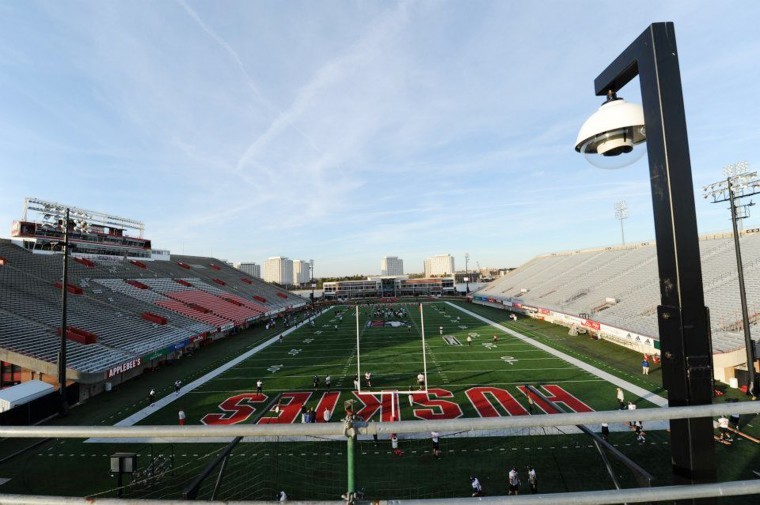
pixel 682 316
pixel 621 213
pixel 739 183
pixel 64 406
pixel 467 273
pixel 615 129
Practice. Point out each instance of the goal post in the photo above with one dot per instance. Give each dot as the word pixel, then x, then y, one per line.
pixel 369 391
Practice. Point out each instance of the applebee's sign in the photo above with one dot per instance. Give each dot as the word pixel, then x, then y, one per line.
pixel 129 365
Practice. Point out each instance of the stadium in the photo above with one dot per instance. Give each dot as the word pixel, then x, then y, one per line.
pixel 560 334
pixel 596 375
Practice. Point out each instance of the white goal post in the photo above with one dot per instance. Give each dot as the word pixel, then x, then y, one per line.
pixel 394 392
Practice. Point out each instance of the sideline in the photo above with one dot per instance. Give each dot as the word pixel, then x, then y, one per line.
pixel 617 381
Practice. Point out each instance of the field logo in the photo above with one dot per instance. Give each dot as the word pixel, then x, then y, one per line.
pixel 291 405
pixel 488 401
pixel 451 340
pixel 558 395
pixel 485 399
pixel 434 406
pixel 372 405
pixel 238 408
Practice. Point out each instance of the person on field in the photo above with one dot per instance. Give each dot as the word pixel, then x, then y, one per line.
pixel 477 489
pixel 621 398
pixel 645 366
pixel 152 396
pixel 421 380
pixel 605 431
pixel 532 480
pixel 181 416
pixel 259 385
pixel 469 340
pixel 638 427
pixel 435 437
pixel 723 428
pixel 514 482
pixel 177 386
pixel 328 380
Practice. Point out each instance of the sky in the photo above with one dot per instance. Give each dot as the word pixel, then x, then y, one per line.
pixel 345 131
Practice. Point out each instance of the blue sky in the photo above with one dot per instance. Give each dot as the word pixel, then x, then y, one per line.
pixel 345 131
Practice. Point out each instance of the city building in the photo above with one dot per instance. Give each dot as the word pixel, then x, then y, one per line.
pixel 439 265
pixel 301 272
pixel 391 265
pixel 278 269
pixel 252 269
pixel 386 286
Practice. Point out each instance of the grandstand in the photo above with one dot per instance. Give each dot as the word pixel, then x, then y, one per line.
pixel 614 292
pixel 126 311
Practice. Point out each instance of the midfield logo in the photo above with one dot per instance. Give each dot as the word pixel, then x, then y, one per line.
pixel 437 403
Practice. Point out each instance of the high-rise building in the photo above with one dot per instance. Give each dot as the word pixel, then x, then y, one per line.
pixel 252 269
pixel 391 265
pixel 279 270
pixel 440 264
pixel 301 272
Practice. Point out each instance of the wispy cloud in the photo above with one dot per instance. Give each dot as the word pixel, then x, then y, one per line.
pixel 352 130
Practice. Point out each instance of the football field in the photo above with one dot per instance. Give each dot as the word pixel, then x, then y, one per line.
pixel 473 370
pixel 475 362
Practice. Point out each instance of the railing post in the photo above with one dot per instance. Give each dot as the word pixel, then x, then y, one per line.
pixel 350 433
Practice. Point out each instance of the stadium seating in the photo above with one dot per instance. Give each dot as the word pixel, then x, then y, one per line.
pixel 107 300
pixel 581 281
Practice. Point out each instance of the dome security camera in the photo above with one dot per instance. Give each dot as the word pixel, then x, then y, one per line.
pixel 615 129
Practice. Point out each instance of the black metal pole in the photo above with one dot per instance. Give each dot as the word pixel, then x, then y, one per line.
pixel 743 296
pixel 467 274
pixel 682 316
pixel 64 407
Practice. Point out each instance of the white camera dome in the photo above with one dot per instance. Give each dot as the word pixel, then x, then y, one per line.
pixel 615 129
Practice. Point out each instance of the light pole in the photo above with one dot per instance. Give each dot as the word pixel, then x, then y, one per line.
pixel 64 407
pixel 682 316
pixel 313 284
pixel 739 183
pixel 466 273
pixel 621 213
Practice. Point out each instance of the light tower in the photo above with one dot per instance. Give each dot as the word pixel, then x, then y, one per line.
pixel 739 183
pixel 621 212
pixel 467 273
pixel 313 282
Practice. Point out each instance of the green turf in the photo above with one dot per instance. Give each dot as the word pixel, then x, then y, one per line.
pixel 316 469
